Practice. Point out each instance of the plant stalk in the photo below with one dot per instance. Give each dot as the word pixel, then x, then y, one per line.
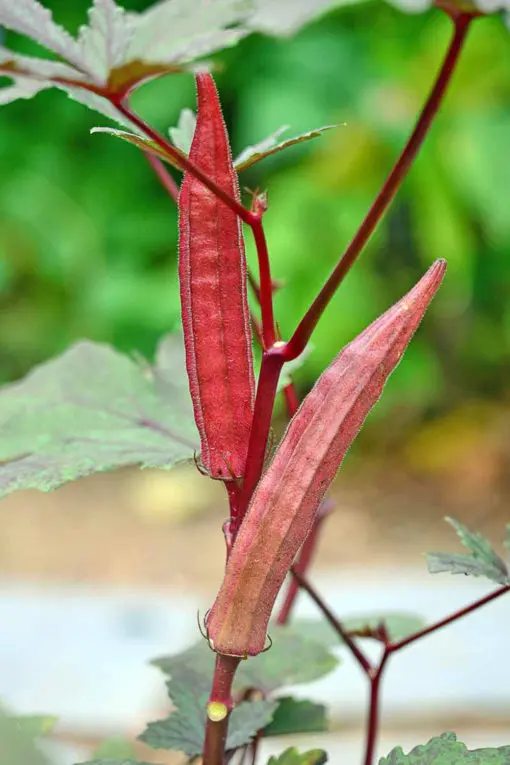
pixel 219 706
pixel 375 673
pixel 304 330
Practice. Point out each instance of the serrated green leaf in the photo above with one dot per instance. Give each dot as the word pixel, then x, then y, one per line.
pixel 292 659
pixel 114 748
pixel 116 51
pixel 293 757
pixel 184 729
pixel 270 145
pixel 297 716
pixel 182 134
pixel 483 561
pixel 93 409
pixel 286 17
pixel 446 750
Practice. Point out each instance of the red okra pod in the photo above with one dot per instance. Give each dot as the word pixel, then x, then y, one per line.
pixel 284 504
pixel 215 313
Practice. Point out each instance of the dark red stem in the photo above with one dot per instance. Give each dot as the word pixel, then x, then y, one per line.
pixel 272 363
pixel 302 334
pixel 265 290
pixel 337 625
pixel 299 569
pixel 246 216
pixel 218 709
pixel 449 619
pixel 164 176
pixel 375 673
pixel 375 677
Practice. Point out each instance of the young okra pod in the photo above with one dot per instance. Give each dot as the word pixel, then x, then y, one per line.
pixel 284 504
pixel 215 313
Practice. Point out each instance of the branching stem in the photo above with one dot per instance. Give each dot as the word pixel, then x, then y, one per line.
pixel 374 673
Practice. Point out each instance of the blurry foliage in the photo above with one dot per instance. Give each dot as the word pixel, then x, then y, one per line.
pixel 88 239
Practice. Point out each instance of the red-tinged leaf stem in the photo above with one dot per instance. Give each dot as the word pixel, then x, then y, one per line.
pixel 219 706
pixel 164 176
pixel 304 330
pixel 374 672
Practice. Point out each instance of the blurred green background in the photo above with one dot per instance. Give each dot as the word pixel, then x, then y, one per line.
pixel 88 237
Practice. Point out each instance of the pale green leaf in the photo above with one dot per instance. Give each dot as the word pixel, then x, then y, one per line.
pixel 182 134
pixel 270 145
pixel 446 750
pixel 93 409
pixel 117 50
pixel 182 30
pixel 105 41
pixel 114 748
pixel 483 561
pixel 145 144
pixel 293 757
pixel 17 739
pixel 114 761
pixel 286 17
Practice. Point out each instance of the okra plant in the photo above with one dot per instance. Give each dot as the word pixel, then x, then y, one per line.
pixel 93 409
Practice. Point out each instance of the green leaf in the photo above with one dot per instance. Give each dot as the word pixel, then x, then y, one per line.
pixel 397 626
pixel 292 757
pixel 145 144
pixel 286 17
pixel 184 729
pixel 483 561
pixel 109 761
pixel 182 135
pixel 446 750
pixel 35 725
pixel 270 145
pixel 116 50
pixel 114 748
pixel 293 659
pixel 297 716
pixel 93 409
pixel 17 734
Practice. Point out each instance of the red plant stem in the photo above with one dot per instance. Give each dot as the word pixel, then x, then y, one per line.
pixel 245 215
pixel 291 399
pixel 299 569
pixel 272 363
pixel 449 619
pixel 164 176
pixel 375 673
pixel 332 619
pixel 265 293
pixel 302 334
pixel 375 677
pixel 221 698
